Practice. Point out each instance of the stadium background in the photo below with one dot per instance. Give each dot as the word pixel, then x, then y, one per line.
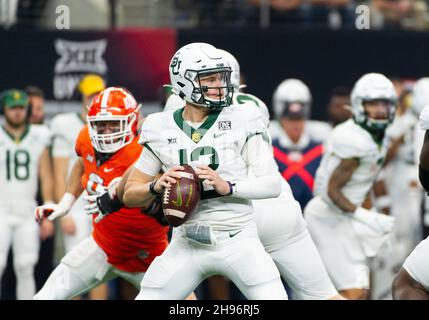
pixel 130 44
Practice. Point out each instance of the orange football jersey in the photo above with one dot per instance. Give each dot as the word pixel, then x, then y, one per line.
pixel 130 239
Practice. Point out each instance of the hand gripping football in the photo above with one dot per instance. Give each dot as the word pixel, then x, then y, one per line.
pixel 180 200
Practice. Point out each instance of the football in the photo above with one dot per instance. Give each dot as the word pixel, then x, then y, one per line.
pixel 180 200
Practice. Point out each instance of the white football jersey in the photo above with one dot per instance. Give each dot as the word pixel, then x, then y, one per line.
pixel 349 140
pixel 65 129
pixel 19 163
pixel 218 142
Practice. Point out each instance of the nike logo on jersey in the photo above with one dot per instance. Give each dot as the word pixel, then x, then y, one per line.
pixel 233 234
pixel 219 134
pixel 107 170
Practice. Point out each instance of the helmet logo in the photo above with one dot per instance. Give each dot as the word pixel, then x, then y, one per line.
pixel 175 64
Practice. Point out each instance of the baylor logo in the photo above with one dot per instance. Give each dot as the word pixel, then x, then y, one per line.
pixel 175 65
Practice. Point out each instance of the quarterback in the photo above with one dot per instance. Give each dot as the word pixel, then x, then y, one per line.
pixel 222 144
pixel 346 233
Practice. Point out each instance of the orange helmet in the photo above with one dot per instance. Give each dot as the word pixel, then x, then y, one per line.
pixel 116 109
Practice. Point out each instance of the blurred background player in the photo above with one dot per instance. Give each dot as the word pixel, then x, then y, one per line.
pixel 339 109
pixel 24 157
pixel 297 154
pixel 65 127
pixel 404 190
pixel 412 281
pixel 346 233
pixel 36 112
pixel 403 196
pixel 36 115
pixel 124 243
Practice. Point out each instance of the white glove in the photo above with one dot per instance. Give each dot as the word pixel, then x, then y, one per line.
pixel 424 118
pixel 52 211
pixel 379 222
pixel 92 206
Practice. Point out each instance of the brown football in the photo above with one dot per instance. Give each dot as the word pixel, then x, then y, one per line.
pixel 180 200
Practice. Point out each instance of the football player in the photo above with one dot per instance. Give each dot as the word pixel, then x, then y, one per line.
pixel 24 157
pixel 125 243
pixel 222 144
pixel 412 281
pixel 295 91
pixel 345 232
pixel 297 154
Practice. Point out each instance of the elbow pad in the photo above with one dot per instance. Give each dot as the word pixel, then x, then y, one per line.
pixel 424 178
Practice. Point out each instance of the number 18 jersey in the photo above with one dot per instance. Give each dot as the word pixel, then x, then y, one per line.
pixel 19 165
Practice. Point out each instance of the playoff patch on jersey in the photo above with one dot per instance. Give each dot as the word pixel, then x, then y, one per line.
pixel 224 125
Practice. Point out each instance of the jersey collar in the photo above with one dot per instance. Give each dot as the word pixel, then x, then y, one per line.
pixel 17 139
pixel 196 135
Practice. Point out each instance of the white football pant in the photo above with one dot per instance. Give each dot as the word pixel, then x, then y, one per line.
pixel 240 257
pixel 82 269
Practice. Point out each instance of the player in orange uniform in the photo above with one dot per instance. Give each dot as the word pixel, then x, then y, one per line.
pixel 124 243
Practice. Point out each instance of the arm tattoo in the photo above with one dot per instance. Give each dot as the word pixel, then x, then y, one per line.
pixel 339 178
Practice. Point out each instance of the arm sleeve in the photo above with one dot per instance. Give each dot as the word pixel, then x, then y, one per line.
pixel 266 181
pixel 148 162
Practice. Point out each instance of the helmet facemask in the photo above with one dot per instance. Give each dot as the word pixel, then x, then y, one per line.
pixel 221 95
pixel 374 124
pixel 123 127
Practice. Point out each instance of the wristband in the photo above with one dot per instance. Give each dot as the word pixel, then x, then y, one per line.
pixel 231 188
pixel 152 188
